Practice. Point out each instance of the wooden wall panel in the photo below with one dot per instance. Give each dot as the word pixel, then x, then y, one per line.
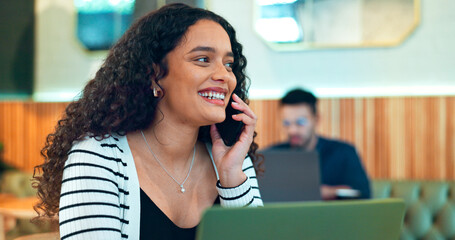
pixel 450 138
pixel 397 137
pixel 23 130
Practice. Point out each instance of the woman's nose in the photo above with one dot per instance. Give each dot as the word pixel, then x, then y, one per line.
pixel 221 73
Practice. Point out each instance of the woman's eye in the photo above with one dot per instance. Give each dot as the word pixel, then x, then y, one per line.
pixel 203 59
pixel 229 66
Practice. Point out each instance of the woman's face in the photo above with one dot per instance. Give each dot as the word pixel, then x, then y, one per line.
pixel 200 80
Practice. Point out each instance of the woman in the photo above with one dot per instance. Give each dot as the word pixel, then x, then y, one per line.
pixel 139 154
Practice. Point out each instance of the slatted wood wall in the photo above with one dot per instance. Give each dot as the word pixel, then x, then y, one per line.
pixel 23 130
pixel 397 137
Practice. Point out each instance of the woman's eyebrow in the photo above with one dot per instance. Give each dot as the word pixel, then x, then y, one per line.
pixel 209 49
pixel 203 48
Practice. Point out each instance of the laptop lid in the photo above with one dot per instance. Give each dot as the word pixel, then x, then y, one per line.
pixel 290 176
pixel 377 219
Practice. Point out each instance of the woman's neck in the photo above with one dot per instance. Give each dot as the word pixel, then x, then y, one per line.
pixel 171 140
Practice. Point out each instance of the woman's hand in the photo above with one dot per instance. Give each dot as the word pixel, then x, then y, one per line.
pixel 229 160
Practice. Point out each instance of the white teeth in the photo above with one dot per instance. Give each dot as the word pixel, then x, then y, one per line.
pixel 212 95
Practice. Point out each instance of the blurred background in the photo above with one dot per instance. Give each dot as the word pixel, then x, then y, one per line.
pixel 384 71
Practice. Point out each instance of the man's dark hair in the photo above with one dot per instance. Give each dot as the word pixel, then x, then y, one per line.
pixel 300 96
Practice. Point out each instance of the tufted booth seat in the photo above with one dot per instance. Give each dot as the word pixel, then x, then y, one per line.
pixel 17 183
pixel 430 207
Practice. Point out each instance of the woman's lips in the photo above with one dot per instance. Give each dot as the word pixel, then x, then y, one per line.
pixel 214 95
pixel 215 101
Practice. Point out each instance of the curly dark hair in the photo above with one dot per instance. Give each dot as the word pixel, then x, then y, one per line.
pixel 119 98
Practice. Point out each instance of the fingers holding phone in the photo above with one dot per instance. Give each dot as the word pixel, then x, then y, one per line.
pixel 240 122
pixel 231 141
pixel 247 117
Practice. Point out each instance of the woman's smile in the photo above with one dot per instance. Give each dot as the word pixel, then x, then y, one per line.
pixel 214 95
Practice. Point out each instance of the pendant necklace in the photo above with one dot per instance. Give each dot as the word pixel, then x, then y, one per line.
pixel 182 189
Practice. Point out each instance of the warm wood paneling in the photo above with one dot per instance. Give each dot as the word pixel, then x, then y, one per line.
pixel 23 130
pixel 397 137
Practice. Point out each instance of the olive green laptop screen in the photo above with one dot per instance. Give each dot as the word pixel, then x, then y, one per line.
pixel 353 220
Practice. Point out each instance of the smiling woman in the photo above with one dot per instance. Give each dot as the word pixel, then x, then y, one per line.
pixel 200 65
pixel 139 153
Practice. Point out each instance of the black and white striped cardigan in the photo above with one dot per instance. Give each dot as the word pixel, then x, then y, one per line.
pixel 100 195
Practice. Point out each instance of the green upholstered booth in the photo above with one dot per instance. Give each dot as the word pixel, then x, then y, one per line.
pixel 430 207
pixel 17 183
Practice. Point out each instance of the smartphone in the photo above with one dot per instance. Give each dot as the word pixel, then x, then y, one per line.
pixel 230 129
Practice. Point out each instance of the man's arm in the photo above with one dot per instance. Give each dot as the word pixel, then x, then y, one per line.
pixel 353 181
pixel 355 175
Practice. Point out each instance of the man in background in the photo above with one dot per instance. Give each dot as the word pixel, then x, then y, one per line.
pixel 340 165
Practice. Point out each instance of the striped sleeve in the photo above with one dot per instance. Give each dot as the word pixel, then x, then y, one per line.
pixel 89 200
pixel 246 194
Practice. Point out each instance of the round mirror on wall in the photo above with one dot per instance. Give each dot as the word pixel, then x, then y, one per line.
pixel 287 25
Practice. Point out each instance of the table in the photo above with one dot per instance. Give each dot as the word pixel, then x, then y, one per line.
pixel 40 236
pixel 12 207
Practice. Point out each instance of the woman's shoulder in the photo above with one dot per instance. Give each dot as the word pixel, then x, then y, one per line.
pixel 100 159
pixel 97 142
pixel 109 147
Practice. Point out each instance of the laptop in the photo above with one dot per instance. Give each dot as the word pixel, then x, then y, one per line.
pixel 379 219
pixel 290 176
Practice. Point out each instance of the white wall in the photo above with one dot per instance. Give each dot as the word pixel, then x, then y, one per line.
pixel 423 65
pixel 62 66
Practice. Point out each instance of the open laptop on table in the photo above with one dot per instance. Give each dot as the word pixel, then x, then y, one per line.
pixel 379 219
pixel 290 176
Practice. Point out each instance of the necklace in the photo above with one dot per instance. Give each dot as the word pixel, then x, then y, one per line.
pixel 182 189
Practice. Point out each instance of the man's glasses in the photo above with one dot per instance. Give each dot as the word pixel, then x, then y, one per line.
pixel 301 121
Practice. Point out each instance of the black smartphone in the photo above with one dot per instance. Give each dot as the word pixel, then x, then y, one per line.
pixel 230 129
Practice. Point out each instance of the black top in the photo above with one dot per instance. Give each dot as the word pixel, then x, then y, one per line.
pixel 156 225
pixel 340 165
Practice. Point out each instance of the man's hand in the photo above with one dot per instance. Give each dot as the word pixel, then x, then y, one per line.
pixel 330 192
